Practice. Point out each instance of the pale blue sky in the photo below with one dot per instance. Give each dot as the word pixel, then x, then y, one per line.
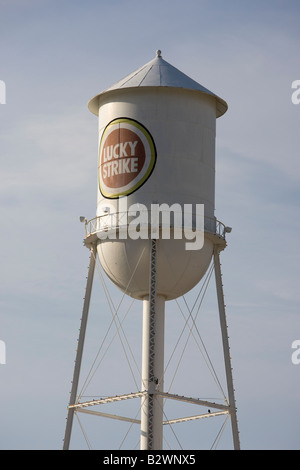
pixel 55 56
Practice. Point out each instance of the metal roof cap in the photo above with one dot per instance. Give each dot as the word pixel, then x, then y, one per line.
pixel 159 73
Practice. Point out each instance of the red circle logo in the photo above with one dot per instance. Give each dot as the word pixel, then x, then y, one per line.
pixel 127 157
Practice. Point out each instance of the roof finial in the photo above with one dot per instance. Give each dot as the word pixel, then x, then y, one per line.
pixel 158 53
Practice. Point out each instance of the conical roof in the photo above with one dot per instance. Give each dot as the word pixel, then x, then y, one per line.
pixel 159 73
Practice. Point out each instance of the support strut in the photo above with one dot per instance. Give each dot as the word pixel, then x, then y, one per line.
pixel 226 350
pixel 152 362
pixel 84 318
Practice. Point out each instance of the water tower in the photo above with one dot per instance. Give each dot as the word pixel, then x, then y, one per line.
pixel 157 132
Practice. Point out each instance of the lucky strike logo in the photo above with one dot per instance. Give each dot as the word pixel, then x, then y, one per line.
pixel 127 157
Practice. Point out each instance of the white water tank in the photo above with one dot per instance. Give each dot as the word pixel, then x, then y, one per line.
pixel 156 145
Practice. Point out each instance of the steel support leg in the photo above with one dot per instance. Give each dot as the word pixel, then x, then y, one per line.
pixel 224 332
pixel 85 312
pixel 152 362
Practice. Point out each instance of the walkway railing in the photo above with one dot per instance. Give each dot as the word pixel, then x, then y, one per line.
pixel 120 220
